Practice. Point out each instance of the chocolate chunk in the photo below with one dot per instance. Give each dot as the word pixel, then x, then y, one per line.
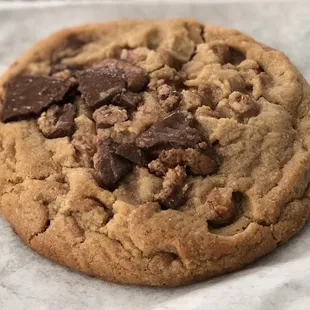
pixel 107 116
pixel 128 100
pixel 98 86
pixel 58 121
pixel 173 131
pixel 28 95
pixel 197 162
pixel 110 167
pixel 101 84
pixel 135 76
pixel 131 152
pixel 174 188
pixel 222 204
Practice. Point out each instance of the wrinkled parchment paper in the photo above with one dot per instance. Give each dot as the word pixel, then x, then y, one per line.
pixel 281 280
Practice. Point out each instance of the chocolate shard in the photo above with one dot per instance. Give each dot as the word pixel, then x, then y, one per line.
pixel 110 167
pixel 27 95
pixel 131 152
pixel 58 121
pixel 173 131
pixel 136 77
pixel 128 100
pixel 101 84
pixel 174 188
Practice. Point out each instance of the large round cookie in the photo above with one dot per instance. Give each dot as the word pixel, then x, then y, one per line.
pixel 154 152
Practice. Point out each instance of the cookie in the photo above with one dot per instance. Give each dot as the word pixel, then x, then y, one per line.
pixel 154 152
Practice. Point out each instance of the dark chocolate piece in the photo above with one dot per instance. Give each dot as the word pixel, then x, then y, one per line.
pixel 29 94
pixel 58 121
pixel 173 131
pixel 101 84
pixel 98 86
pixel 136 77
pixel 128 100
pixel 131 152
pixel 110 167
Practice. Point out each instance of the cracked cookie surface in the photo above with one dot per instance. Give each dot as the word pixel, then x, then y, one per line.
pixel 154 152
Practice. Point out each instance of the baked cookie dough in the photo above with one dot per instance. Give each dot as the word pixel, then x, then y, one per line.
pixel 154 152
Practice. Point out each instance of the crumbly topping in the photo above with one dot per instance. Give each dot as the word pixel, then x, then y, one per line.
pixel 154 152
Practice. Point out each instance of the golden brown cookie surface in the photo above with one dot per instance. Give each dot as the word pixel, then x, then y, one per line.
pixel 154 153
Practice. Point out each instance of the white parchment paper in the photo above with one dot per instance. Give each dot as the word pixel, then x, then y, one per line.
pixel 279 281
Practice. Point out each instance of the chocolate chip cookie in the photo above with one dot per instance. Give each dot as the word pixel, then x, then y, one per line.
pixel 154 152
